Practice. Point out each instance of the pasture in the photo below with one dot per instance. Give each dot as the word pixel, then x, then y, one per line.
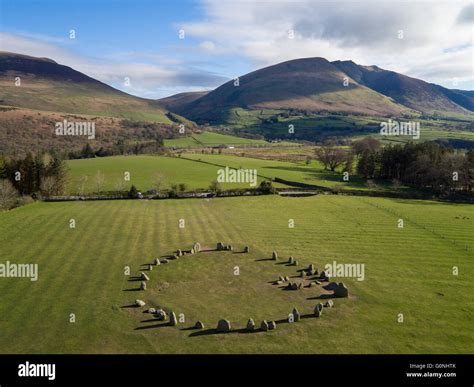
pixel 408 271
pixel 197 171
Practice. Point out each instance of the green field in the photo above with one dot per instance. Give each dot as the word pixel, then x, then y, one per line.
pixel 212 139
pixel 318 127
pixel 81 271
pixel 197 174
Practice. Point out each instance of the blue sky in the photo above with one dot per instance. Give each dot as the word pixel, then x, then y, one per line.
pixel 139 40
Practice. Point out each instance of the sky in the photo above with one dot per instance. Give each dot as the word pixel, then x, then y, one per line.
pixel 158 48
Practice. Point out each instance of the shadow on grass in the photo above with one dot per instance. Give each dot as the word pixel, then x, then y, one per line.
pixel 132 290
pixel 129 306
pixel 322 297
pixel 162 325
pixel 207 332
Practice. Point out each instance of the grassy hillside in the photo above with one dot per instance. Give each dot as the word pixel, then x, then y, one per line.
pixel 312 84
pixel 81 271
pixel 47 85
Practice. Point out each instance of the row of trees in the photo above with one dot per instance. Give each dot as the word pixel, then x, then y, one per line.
pixel 121 147
pixel 43 174
pixel 423 165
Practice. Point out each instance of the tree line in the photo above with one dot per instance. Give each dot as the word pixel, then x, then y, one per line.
pixel 426 165
pixel 34 175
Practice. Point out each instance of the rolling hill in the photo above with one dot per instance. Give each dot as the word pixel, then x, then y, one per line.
pixel 317 86
pixel 49 86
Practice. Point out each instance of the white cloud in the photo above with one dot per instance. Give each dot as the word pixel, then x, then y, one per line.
pixel 150 74
pixel 364 31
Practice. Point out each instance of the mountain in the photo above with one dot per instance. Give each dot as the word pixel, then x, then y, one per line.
pixel 316 85
pixel 176 101
pixel 414 93
pixel 49 86
pixel 313 84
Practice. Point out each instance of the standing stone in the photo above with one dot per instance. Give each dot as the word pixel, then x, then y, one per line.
pixel 310 268
pixel 274 256
pixel 295 262
pixel 173 319
pixel 264 326
pixel 191 251
pixel 296 315
pixel 143 285
pixel 144 277
pixel 151 311
pixel 302 273
pixel 157 261
pixel 223 326
pixel 139 303
pixel 179 253
pixel 291 260
pixel 250 324
pixel 329 304
pixel 161 315
pixel 318 310
pixel 281 278
pixel 287 279
pixel 197 247
pixel 246 249
pixel 220 246
pixel 230 248
pixel 199 325
pixel 272 325
pixel 341 290
pixel 150 267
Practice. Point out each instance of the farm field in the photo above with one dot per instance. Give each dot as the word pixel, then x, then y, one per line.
pixel 212 139
pixel 195 174
pixel 81 271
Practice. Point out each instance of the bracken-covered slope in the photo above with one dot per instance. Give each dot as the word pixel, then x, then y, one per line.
pixel 48 86
pixel 317 85
pixel 411 92
pixel 312 84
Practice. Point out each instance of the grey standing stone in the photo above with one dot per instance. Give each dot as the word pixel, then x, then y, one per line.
pixel 223 326
pixel 250 324
pixel 173 319
pixel 143 285
pixel 199 325
pixel 341 290
pixel 161 315
pixel 274 256
pixel 296 315
pixel 329 304
pixel 318 310
pixel 264 325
